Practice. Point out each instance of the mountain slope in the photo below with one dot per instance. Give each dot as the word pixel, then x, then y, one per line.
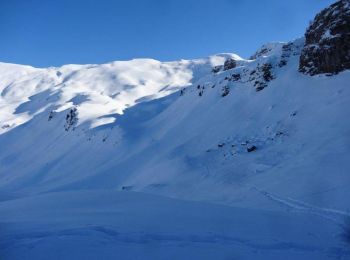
pixel 267 134
pixel 199 136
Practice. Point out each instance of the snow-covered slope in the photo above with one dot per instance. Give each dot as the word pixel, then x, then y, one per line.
pixel 99 90
pixel 254 134
pixel 77 133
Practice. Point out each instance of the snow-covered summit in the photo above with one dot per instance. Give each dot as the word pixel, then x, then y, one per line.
pixel 268 49
pixel 98 90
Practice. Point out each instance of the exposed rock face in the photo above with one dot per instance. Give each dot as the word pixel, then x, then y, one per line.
pixel 327 41
pixel 71 119
pixel 229 64
pixel 261 76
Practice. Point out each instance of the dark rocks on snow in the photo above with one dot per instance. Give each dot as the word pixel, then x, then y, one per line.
pixel 229 64
pixel 127 188
pixel 216 69
pixel 259 86
pixel 71 119
pixel 201 90
pixel 327 41
pixel 262 76
pixel 225 91
pixel 236 77
pixel 267 74
pixel 51 115
pixel 251 148
pixel 288 50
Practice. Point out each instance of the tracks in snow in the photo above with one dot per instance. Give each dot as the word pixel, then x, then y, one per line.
pixel 337 216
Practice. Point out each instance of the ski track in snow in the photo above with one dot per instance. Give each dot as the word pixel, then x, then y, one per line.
pixel 296 205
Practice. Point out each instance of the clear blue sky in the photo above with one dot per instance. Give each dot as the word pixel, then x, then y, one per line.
pixel 55 32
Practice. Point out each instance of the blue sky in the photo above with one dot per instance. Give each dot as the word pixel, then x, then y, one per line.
pixel 56 32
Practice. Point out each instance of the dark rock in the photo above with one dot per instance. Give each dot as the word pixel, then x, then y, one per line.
pixel 279 133
pixel 71 119
pixel 51 115
pixel 251 148
pixel 288 50
pixel 236 77
pixel 294 113
pixel 260 87
pixel 225 91
pixel 261 76
pixel 267 74
pixel 127 188
pixel 216 69
pixel 229 64
pixel 327 41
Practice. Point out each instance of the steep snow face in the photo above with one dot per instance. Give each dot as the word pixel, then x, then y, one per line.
pixel 97 90
pixel 268 49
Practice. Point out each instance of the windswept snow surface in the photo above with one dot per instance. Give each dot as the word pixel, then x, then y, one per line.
pixel 84 146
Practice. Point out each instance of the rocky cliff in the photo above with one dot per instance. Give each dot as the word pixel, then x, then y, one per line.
pixel 327 41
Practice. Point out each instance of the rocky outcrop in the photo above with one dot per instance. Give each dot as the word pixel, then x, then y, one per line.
pixel 229 64
pixel 327 41
pixel 71 119
pixel 261 76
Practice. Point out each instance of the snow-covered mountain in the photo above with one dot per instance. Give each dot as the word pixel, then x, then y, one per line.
pixel 268 137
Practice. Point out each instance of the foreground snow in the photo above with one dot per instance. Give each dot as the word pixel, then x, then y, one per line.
pixel 128 225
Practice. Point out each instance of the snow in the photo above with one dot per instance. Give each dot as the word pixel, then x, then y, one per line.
pixel 108 88
pixel 128 225
pixel 113 160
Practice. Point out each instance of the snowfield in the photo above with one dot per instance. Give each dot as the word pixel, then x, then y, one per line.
pixel 129 225
pixel 214 158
